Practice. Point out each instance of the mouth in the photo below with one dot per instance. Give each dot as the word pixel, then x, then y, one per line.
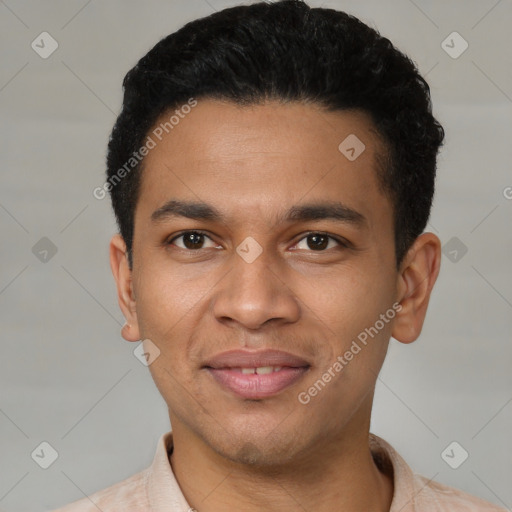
pixel 256 375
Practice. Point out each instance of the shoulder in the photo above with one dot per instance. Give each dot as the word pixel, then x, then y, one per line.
pixel 415 493
pixel 445 498
pixel 129 495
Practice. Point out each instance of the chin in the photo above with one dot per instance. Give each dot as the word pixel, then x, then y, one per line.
pixel 256 456
pixel 259 451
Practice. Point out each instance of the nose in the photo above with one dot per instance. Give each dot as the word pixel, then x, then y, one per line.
pixel 254 294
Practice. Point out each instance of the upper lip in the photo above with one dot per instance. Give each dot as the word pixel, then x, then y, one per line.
pixel 252 359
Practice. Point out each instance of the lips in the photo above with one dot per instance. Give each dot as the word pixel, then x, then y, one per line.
pixel 247 359
pixel 256 375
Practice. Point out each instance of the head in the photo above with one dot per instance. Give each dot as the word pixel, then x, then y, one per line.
pixel 300 137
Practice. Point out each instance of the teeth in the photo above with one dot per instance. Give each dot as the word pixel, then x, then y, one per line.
pixel 262 370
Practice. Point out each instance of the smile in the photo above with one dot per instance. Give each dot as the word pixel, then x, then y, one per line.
pixel 257 383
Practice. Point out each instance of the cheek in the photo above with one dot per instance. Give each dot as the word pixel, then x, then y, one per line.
pixel 356 315
pixel 167 310
pixel 347 302
pixel 161 313
pixel 167 296
pixel 354 354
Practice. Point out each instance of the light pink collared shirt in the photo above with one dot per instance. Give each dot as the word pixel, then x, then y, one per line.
pixel 155 489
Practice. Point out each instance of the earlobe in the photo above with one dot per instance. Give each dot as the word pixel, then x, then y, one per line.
pixel 128 334
pixel 123 277
pixel 417 276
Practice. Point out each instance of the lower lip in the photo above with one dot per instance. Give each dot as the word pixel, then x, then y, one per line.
pixel 254 386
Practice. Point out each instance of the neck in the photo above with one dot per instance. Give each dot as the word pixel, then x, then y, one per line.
pixel 334 475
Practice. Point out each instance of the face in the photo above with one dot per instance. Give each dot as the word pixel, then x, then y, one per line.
pixel 291 249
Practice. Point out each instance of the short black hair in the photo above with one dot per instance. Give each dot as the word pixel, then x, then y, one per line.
pixel 285 51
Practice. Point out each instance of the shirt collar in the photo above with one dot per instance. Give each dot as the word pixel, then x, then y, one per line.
pixel 164 493
pixel 389 460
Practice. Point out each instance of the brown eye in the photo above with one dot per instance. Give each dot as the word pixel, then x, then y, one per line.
pixel 191 240
pixel 319 242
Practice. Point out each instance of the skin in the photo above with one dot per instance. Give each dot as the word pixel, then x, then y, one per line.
pixel 253 164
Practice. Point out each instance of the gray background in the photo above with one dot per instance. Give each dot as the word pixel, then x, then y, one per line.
pixel 66 375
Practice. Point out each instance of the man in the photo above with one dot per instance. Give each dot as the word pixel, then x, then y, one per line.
pixel 272 173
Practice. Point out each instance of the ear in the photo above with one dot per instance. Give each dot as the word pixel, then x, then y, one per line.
pixel 416 278
pixel 123 276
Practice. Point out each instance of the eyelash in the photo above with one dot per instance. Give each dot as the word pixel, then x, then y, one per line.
pixel 339 241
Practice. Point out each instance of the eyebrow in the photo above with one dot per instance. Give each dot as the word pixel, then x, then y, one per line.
pixel 304 212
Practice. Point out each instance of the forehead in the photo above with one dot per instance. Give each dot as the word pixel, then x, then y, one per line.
pixel 263 159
